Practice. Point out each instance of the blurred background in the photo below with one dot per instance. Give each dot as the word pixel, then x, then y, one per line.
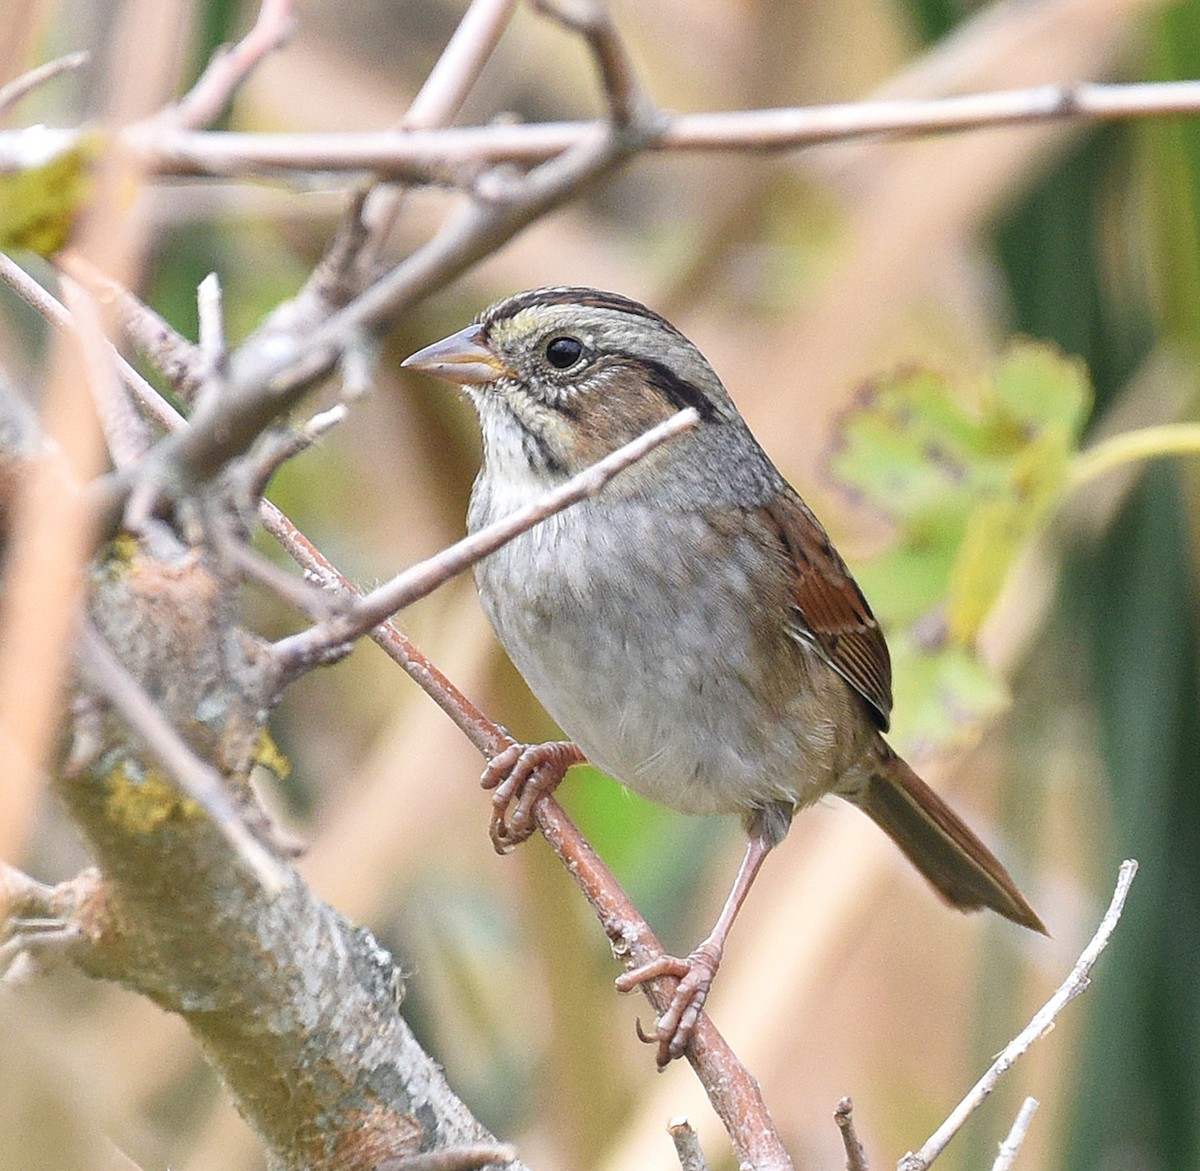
pixel 802 276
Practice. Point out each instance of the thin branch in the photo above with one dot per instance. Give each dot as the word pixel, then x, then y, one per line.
pixel 211 330
pixel 458 68
pixel 732 1091
pixel 437 103
pixel 1011 1146
pixel 19 87
pixel 126 434
pixel 149 401
pixel 301 651
pixel 1039 1026
pixel 416 154
pixel 856 1157
pixel 687 1145
pixel 231 65
pixel 627 101
pixel 465 1158
pixel 176 357
pixel 196 778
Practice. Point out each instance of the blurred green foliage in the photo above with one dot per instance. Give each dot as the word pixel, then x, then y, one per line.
pixel 967 475
pixel 1130 601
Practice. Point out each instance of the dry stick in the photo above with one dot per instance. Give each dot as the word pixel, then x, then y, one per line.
pixel 230 66
pixel 687 1145
pixel 420 155
pixel 592 19
pixel 173 355
pixel 304 650
pixel 147 398
pixel 1039 1026
pixel 1011 1146
pixel 16 89
pixel 732 1091
pixel 437 103
pixel 451 1159
pixel 196 778
pixel 856 1157
pixel 126 433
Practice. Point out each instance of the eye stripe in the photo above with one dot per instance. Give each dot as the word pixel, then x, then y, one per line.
pixel 679 392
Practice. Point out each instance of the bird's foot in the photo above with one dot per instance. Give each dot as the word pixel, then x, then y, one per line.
pixel 519 777
pixel 673 1032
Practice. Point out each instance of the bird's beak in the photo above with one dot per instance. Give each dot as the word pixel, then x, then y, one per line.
pixel 462 357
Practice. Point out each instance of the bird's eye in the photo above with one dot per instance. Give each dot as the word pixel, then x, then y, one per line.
pixel 562 352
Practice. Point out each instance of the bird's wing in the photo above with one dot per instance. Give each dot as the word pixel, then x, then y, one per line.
pixel 836 620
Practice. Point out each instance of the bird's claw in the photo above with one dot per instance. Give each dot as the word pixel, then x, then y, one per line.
pixel 675 1027
pixel 519 777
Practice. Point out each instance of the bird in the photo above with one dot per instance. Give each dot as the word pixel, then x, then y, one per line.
pixel 691 628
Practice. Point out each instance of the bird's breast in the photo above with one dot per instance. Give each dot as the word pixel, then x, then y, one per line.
pixel 657 642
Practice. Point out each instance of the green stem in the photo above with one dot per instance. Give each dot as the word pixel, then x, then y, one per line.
pixel 1146 443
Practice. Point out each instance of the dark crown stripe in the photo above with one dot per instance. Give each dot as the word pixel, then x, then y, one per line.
pixel 589 298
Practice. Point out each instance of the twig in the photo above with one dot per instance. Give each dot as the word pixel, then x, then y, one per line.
pixel 414 154
pixel 16 89
pixel 687 1145
pixel 230 66
pixel 301 651
pixel 174 356
pixel 437 103
pixel 449 82
pixel 1011 1146
pixel 211 322
pixel 856 1157
pixel 464 1158
pixel 627 101
pixel 126 434
pixel 1039 1026
pixel 151 403
pixel 196 778
pixel 733 1092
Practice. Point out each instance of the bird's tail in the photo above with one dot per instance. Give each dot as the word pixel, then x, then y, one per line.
pixel 939 844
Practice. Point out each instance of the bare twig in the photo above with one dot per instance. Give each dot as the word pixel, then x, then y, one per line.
pixel 230 66
pixel 733 1092
pixel 125 431
pixel 687 1145
pixel 450 80
pixel 151 403
pixel 437 104
pixel 856 1157
pixel 16 89
pixel 1039 1026
pixel 174 356
pixel 196 778
pixel 211 319
pixel 627 101
pixel 1011 1146
pixel 301 651
pixel 465 1158
pixel 413 155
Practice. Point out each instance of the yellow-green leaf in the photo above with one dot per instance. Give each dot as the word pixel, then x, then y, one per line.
pixel 40 202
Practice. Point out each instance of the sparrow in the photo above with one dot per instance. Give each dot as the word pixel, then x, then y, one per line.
pixel 692 627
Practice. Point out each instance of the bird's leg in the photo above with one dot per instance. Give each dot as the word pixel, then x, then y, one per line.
pixel 524 774
pixel 695 974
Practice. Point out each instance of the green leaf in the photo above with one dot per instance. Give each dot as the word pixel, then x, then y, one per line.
pixel 40 202
pixel 966 475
